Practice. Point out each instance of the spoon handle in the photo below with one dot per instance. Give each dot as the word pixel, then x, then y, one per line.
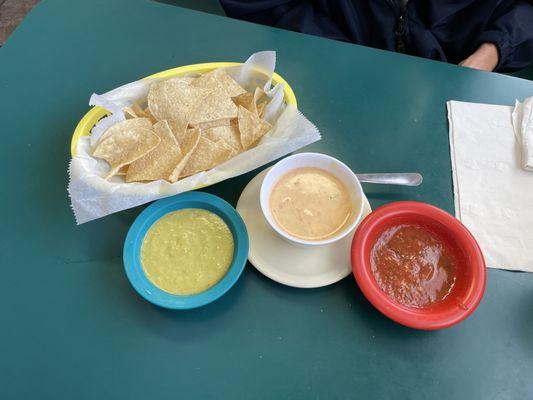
pixel 405 179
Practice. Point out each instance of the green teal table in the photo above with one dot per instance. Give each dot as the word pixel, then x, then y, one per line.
pixel 73 328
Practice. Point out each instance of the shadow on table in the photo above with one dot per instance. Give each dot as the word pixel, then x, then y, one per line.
pixel 524 318
pixel 169 324
pixel 199 322
pixel 370 316
pixel 360 309
pixel 382 195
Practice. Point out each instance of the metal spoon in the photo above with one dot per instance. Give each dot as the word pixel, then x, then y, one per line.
pixel 405 179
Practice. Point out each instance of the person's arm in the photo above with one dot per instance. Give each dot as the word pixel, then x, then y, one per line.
pixel 507 43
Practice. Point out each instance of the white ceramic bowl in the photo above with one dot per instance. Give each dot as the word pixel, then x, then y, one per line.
pixel 327 163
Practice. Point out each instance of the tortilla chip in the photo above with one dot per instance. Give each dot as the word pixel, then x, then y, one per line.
pixel 129 113
pixel 207 155
pixel 230 85
pixel 161 161
pixel 209 81
pixel 219 80
pixel 217 106
pixel 136 107
pixel 148 114
pixel 178 129
pixel 189 141
pixel 228 134
pixel 135 111
pixel 261 109
pixel 188 79
pixel 251 127
pixel 126 125
pixel 258 95
pixel 174 100
pixel 251 101
pixel 213 124
pixel 122 171
pixel 126 146
pixel 244 99
pixel 139 112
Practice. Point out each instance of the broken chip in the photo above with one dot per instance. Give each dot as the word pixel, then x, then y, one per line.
pixel 125 146
pixel 178 128
pixel 188 79
pixel 216 107
pixel 244 99
pixel 123 170
pixel 136 111
pixel 258 95
pixel 129 113
pixel 207 155
pixel 189 142
pixel 218 79
pixel 210 80
pixel 213 124
pixel 261 109
pixel 251 127
pixel 229 134
pixel 126 125
pixel 174 100
pixel 161 161
pixel 230 85
pixel 250 101
pixel 143 112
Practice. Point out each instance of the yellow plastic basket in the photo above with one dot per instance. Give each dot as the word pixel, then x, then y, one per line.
pixel 96 113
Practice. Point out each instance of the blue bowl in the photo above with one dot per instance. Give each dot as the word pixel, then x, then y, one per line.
pixel 134 239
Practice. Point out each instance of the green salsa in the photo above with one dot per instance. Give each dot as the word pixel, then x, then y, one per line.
pixel 187 251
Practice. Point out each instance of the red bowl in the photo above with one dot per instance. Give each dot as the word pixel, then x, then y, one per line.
pixel 471 276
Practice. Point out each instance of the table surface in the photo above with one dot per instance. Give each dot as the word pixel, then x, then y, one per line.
pixel 72 327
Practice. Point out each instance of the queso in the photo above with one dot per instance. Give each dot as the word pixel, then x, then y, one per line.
pixel 310 203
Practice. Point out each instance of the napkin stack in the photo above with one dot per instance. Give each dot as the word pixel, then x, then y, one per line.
pixel 523 129
pixel 492 161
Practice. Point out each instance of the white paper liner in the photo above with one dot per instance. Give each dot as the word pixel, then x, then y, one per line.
pixel 93 197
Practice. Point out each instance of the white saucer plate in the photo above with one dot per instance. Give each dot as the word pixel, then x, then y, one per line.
pixel 286 263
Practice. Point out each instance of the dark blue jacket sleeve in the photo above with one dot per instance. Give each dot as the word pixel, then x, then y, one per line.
pixel 446 30
pixel 512 33
pixel 311 17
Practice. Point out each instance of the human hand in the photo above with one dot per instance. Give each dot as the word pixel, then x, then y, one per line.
pixel 484 58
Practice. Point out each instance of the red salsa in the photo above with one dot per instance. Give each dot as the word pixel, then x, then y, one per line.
pixel 413 266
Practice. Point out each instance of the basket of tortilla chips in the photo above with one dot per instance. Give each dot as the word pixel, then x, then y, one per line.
pixel 180 130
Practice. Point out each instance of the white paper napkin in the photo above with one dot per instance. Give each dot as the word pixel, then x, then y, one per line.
pixel 493 194
pixel 522 118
